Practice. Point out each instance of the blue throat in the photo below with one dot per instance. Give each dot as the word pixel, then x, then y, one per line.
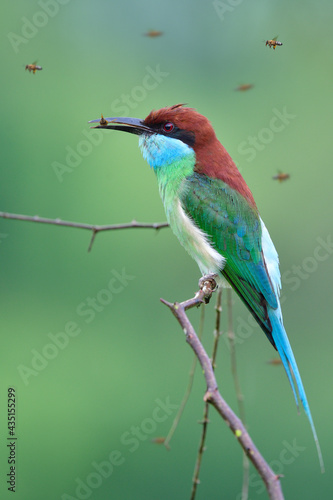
pixel 160 151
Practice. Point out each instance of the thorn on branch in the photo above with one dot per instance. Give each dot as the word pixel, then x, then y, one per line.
pixel 208 397
pixel 94 232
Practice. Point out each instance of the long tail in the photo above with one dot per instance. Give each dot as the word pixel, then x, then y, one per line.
pixel 288 359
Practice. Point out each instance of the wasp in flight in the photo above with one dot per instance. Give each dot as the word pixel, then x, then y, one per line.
pixel 244 87
pixel 273 43
pixel 154 33
pixel 281 176
pixel 33 67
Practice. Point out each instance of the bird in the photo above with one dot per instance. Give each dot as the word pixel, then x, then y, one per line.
pixel 212 212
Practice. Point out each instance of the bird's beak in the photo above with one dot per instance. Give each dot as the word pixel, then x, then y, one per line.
pixel 132 125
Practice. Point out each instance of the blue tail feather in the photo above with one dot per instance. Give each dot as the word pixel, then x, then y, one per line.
pixel 286 365
pixel 289 362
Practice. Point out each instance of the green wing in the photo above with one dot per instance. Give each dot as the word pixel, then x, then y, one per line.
pixel 234 229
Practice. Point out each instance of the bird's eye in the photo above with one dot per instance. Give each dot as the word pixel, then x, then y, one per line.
pixel 168 127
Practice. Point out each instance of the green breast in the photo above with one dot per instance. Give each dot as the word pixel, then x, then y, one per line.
pixel 174 187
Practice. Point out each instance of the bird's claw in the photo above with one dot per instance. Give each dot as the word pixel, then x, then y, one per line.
pixel 208 285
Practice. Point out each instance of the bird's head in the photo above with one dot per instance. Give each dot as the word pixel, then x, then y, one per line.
pixel 167 134
pixel 170 134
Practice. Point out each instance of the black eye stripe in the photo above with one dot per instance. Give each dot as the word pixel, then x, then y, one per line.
pixel 171 130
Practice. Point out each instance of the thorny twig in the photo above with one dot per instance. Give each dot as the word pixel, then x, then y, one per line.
pixel 205 419
pixel 91 227
pixel 239 394
pixel 213 396
pixel 188 389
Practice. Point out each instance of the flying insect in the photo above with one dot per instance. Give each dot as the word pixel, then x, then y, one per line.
pixel 281 176
pixel 33 67
pixel 244 87
pixel 273 43
pixel 153 33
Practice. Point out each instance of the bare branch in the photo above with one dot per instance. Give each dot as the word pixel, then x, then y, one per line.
pixel 188 389
pixel 91 227
pixel 239 394
pixel 212 396
pixel 205 420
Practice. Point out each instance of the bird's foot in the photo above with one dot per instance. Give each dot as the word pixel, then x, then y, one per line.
pixel 208 285
pixel 211 278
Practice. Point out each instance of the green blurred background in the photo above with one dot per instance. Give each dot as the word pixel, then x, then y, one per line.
pixel 82 405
